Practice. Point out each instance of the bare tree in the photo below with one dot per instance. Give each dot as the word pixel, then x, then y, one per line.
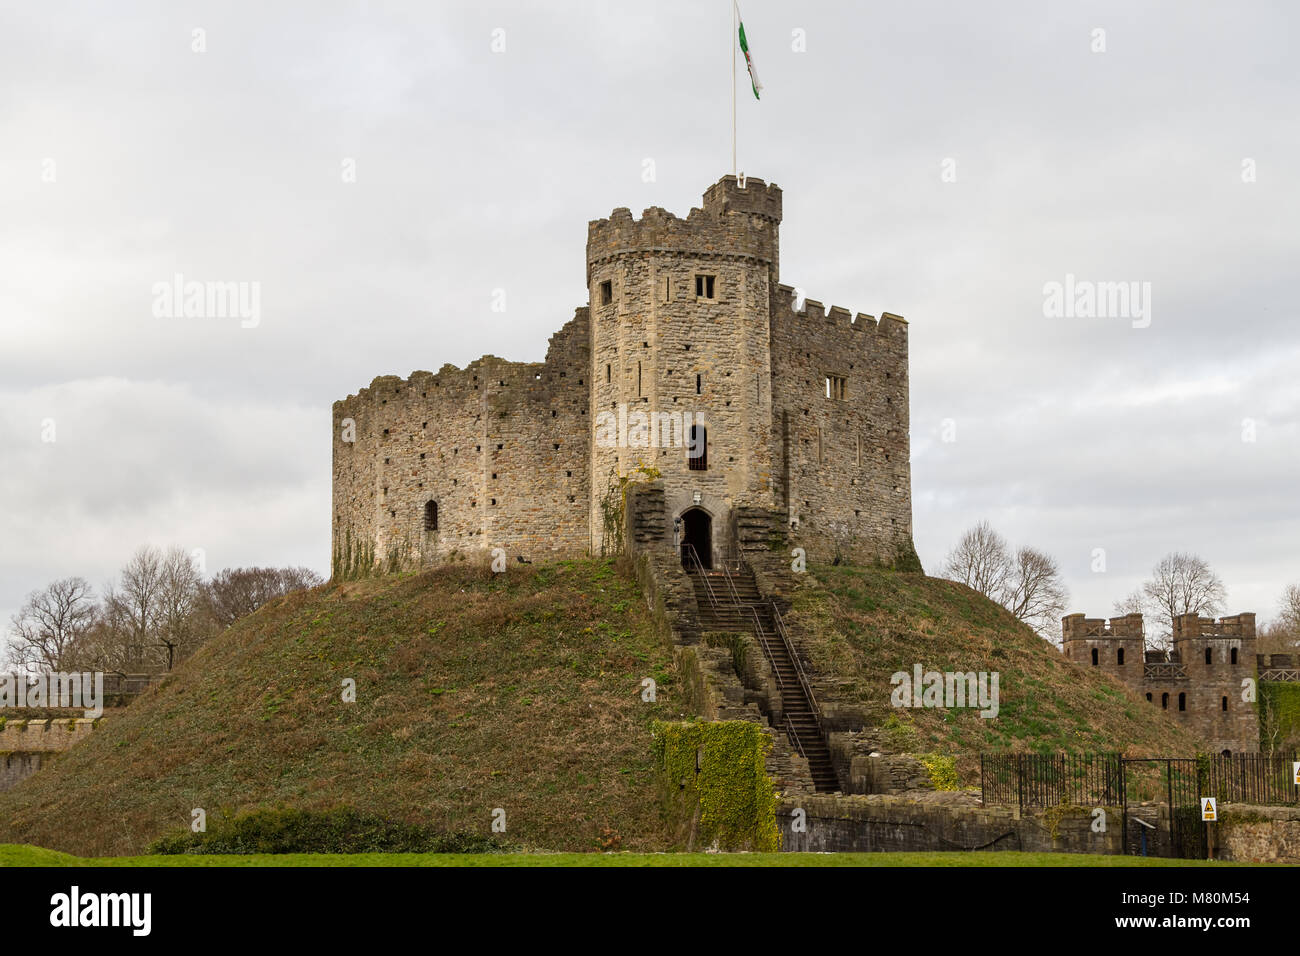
pixel 106 643
pixel 135 605
pixel 981 560
pixel 1135 603
pixel 1291 606
pixel 1183 584
pixel 1282 635
pixel 238 592
pixel 181 619
pixel 1138 603
pixel 1027 583
pixel 50 622
pixel 1270 726
pixel 1035 592
pixel 1290 615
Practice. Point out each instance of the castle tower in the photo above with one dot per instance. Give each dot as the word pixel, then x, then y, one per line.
pixel 1199 683
pixel 1114 647
pixel 1217 656
pixel 681 375
pixel 765 415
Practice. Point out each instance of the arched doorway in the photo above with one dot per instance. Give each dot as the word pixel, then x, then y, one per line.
pixel 697 531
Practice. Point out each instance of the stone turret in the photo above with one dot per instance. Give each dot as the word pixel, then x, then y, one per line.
pixel 1200 682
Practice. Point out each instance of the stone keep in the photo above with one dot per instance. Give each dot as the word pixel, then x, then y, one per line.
pixel 690 362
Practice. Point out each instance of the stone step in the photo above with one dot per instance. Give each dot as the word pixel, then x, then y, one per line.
pixel 733 601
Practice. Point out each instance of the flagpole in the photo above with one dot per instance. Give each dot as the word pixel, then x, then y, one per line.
pixel 733 87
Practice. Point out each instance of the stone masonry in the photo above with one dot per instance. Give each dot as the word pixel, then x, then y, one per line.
pixel 689 360
pixel 1199 682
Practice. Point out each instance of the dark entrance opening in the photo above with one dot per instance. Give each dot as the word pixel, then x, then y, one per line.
pixel 697 533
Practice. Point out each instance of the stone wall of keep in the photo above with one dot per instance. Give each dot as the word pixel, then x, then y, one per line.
pixel 1235 729
pixel 843 464
pixel 1219 683
pixel 501 447
pixel 1078 643
pixel 515 456
pixel 664 357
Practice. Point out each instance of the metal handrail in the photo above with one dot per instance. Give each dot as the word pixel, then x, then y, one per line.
pixel 694 558
pixel 688 549
pixel 726 576
pixel 798 664
pixel 804 682
pixel 761 633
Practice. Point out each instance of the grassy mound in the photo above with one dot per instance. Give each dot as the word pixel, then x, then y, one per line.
pixel 521 693
pixel 868 623
pixel 474 692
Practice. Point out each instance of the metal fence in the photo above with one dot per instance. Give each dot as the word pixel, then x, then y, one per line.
pixel 1050 780
pixel 1251 778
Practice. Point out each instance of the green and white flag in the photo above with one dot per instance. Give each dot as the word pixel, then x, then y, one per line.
pixel 749 60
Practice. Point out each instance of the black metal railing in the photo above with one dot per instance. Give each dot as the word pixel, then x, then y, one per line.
pixel 1048 780
pixel 751 611
pixel 1264 780
pixel 799 671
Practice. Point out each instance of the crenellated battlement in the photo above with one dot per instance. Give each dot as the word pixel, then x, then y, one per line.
pixel 754 198
pixel 1075 627
pixel 785 301
pixel 488 369
pixel 734 223
pixel 48 735
pixel 1193 626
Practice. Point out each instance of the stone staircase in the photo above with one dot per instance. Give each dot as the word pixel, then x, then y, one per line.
pixel 733 602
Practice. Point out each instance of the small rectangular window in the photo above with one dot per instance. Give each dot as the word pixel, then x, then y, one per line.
pixel 837 387
pixel 668 288
pixel 704 286
pixel 697 448
pixel 699 384
pixel 606 292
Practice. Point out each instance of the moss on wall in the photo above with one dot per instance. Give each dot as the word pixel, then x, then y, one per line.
pixel 715 783
pixel 1279 716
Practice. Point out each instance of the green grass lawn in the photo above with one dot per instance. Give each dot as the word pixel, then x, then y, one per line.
pixel 15 855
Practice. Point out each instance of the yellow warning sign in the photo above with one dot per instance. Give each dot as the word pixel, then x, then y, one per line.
pixel 1209 809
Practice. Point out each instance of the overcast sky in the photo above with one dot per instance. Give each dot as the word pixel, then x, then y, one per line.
pixel 378 171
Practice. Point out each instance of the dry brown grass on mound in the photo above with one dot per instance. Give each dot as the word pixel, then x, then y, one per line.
pixel 519 691
pixel 867 623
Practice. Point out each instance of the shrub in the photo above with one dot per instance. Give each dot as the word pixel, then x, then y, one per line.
pixel 339 830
